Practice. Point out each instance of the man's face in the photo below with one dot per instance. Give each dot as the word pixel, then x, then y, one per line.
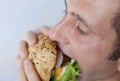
pixel 85 34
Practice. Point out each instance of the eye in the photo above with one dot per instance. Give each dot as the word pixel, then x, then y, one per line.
pixel 80 30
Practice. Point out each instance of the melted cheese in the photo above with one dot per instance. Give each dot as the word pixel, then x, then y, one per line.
pixel 58 72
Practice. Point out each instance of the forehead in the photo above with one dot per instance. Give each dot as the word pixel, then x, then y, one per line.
pixel 94 3
pixel 91 9
pixel 97 13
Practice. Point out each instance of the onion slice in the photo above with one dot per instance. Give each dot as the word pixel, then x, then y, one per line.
pixel 59 59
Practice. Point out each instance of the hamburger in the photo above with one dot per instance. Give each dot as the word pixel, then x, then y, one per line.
pixel 50 63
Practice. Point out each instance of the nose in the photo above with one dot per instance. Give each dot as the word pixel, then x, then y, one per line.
pixel 60 33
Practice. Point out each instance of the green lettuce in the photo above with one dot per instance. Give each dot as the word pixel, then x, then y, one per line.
pixel 72 70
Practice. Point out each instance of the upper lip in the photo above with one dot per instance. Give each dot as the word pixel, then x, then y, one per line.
pixel 64 49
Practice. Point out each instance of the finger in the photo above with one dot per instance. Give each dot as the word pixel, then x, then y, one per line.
pixel 43 29
pixel 21 72
pixel 23 49
pixel 18 59
pixel 31 38
pixel 30 71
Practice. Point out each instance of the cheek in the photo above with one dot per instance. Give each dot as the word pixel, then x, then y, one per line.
pixel 85 47
pixel 91 57
pixel 88 56
pixel 86 50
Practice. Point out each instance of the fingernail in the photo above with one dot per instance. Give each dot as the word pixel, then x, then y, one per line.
pixel 32 43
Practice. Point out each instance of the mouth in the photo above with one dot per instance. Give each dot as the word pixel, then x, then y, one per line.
pixel 65 49
pixel 66 69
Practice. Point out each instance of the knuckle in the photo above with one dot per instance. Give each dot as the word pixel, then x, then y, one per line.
pixel 44 29
pixel 31 38
pixel 30 33
pixel 18 61
pixel 22 46
pixel 44 26
pixel 22 43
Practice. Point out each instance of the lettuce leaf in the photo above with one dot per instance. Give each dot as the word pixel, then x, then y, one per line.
pixel 72 70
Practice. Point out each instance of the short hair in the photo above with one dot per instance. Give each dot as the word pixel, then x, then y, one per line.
pixel 116 26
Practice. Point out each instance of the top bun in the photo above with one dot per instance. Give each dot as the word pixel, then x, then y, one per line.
pixel 43 56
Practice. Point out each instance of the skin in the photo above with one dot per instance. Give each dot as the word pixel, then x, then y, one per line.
pixel 84 34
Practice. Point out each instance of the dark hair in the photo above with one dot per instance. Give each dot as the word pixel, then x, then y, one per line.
pixel 116 25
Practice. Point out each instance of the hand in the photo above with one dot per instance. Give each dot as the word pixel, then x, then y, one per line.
pixel 26 70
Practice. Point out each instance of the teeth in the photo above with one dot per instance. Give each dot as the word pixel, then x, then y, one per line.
pixel 59 59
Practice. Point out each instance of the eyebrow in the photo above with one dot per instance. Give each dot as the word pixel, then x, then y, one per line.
pixel 77 15
pixel 81 19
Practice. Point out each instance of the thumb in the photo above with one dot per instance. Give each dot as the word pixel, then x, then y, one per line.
pixel 30 71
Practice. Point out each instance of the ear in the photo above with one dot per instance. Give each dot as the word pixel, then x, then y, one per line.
pixel 118 65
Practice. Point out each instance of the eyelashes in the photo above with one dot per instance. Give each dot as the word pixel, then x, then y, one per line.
pixel 78 26
pixel 80 30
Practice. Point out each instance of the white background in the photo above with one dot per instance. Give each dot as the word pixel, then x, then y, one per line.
pixel 16 18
